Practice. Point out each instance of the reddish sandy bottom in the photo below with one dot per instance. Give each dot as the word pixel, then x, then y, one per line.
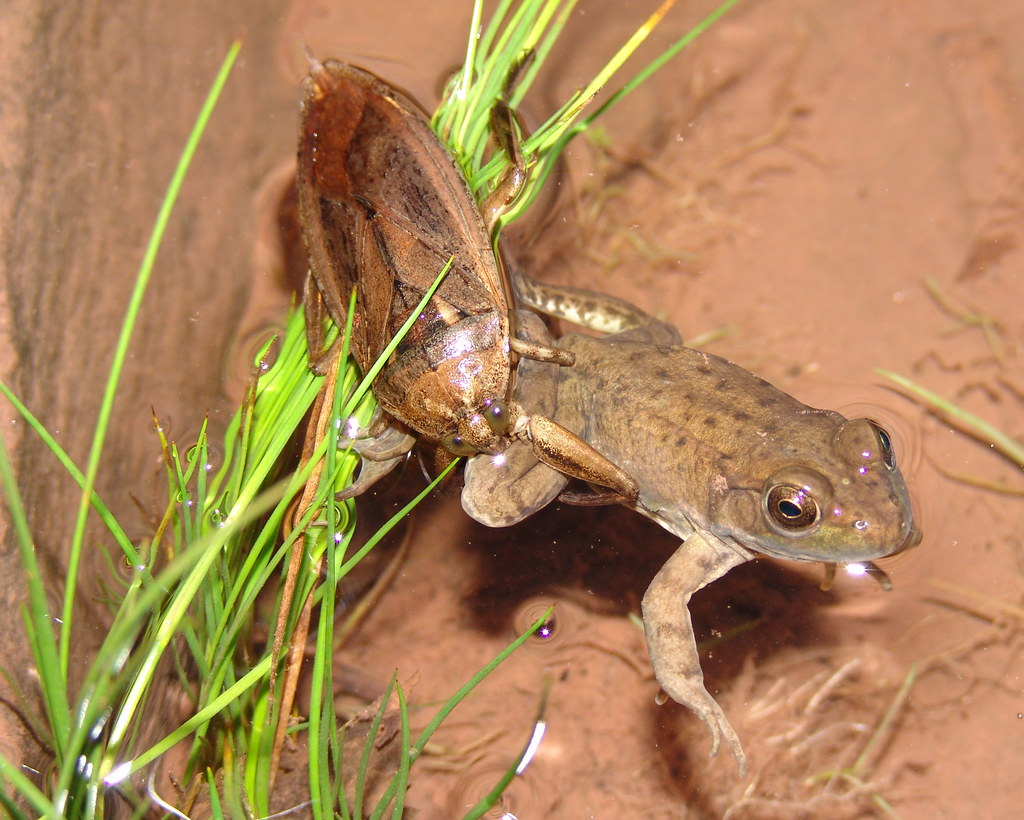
pixel 797 176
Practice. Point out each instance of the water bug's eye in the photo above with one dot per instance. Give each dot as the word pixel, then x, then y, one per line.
pixel 792 508
pixel 888 456
pixel 457 445
pixel 497 418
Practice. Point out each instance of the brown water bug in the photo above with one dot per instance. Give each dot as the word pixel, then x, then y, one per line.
pixel 384 208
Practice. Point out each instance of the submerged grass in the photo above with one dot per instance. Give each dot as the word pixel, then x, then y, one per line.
pixel 964 419
pixel 189 607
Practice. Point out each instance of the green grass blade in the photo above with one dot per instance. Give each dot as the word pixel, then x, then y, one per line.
pixel 402 780
pixel 121 351
pixel 974 425
pixel 45 650
pixel 489 800
pixel 111 523
pixel 12 776
pixel 421 741
pixel 233 692
pixel 660 61
pixel 371 737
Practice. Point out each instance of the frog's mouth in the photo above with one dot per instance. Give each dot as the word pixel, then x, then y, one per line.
pixel 837 553
pixel 914 537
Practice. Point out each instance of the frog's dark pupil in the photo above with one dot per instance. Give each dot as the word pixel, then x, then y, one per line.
pixel 791 507
pixel 888 457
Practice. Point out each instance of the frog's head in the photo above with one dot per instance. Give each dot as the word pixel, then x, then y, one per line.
pixel 847 503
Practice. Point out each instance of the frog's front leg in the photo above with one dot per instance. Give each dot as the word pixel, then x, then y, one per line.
pixel 670 640
pixel 502 490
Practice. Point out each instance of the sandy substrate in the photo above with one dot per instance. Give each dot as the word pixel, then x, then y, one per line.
pixel 796 177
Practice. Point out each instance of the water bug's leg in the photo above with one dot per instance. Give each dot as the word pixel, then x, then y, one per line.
pixel 568 453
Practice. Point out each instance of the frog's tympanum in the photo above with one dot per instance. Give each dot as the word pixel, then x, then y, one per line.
pixel 724 460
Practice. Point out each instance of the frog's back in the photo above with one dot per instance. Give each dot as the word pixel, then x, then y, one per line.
pixel 715 447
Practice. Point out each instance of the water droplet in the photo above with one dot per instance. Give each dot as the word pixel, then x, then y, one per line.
pixel 555 629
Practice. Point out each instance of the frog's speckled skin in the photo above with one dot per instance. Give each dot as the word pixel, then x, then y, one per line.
pixel 707 442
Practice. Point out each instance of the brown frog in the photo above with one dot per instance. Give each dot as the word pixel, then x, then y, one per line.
pixel 729 463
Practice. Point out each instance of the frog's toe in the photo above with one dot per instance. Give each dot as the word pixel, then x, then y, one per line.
pixel 714 718
pixel 694 696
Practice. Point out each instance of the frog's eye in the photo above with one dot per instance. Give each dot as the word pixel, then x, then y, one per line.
pixel 457 445
pixel 497 417
pixel 888 456
pixel 792 508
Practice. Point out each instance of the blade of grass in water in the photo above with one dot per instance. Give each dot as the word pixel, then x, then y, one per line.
pixel 51 655
pixel 39 429
pixel 37 621
pixel 416 749
pixel 121 351
pixel 975 425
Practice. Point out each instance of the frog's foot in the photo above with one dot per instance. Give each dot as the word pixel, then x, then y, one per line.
pixel 380 455
pixel 687 688
pixel 670 640
pixel 502 490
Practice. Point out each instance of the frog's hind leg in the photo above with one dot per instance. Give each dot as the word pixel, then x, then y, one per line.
pixel 591 309
pixel 670 640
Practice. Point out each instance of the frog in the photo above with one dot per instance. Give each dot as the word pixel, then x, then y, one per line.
pixel 724 460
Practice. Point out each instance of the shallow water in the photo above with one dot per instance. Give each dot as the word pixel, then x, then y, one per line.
pixel 805 167
pixel 795 175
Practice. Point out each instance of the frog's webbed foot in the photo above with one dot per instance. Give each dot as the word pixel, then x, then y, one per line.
pixel 379 456
pixel 670 640
pixel 503 490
